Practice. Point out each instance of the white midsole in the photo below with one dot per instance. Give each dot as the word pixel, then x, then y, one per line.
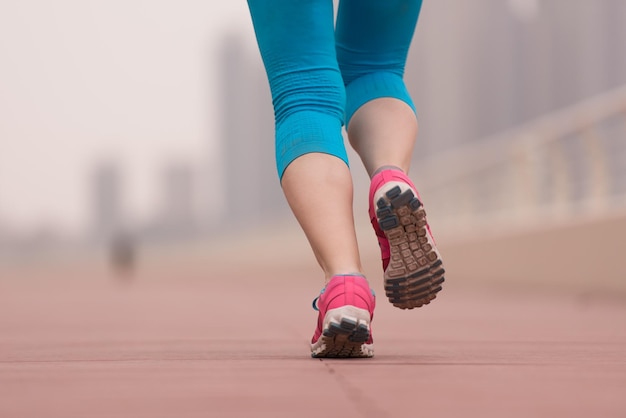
pixel 380 193
pixel 358 315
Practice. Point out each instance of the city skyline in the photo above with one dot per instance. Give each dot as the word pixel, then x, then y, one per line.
pixel 467 84
pixel 83 82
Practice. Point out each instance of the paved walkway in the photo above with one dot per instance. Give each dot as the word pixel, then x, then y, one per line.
pixel 200 338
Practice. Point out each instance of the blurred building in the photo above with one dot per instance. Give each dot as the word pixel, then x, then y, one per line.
pixel 178 212
pixel 478 68
pixel 247 137
pixel 107 201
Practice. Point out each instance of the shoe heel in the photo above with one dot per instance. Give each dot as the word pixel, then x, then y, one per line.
pixel 347 322
pixel 345 333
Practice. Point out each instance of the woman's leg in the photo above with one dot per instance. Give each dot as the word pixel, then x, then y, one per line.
pixel 297 44
pixel 373 39
pixel 318 188
pixel 296 39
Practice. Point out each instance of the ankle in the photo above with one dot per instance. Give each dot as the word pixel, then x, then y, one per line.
pixel 329 277
pixel 386 167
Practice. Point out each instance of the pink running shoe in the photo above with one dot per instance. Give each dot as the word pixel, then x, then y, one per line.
pixel 346 308
pixel 412 264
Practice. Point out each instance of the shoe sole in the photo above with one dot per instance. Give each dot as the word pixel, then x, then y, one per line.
pixel 415 272
pixel 345 334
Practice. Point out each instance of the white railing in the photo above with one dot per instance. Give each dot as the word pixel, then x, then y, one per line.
pixel 569 162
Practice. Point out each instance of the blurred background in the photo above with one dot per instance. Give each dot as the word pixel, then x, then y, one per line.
pixel 149 262
pixel 130 125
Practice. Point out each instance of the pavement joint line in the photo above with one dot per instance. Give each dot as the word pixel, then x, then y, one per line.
pixel 147 360
pixel 363 404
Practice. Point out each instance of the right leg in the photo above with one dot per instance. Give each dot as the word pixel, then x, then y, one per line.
pixel 373 39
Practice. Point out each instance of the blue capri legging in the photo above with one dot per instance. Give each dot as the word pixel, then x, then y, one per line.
pixel 321 73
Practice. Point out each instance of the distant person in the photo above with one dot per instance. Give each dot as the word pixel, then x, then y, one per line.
pixel 123 254
pixel 323 77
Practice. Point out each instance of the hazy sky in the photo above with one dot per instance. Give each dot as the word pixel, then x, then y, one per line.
pixel 85 80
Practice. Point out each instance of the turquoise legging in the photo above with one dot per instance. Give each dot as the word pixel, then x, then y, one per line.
pixel 320 74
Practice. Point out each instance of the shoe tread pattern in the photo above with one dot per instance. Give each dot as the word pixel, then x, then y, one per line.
pixel 345 338
pixel 415 273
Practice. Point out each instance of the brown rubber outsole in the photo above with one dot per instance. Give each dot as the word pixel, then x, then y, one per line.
pixel 415 272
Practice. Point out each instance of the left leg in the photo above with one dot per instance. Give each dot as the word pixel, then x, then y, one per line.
pixel 297 44
pixel 296 40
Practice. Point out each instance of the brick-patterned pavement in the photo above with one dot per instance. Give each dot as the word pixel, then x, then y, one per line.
pixel 213 337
